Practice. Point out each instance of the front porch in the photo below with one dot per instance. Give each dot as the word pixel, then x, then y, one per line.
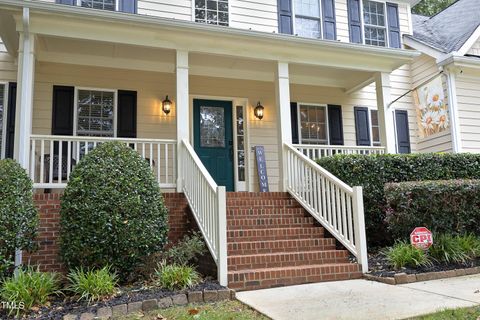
pixel 79 89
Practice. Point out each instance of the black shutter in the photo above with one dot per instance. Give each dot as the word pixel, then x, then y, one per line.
pixel 362 126
pixel 127 114
pixel 403 132
pixel 294 119
pixel 393 25
pixel 62 110
pixel 355 21
pixel 69 2
pixel 129 6
pixel 10 129
pixel 329 24
pixel 285 16
pixel 335 124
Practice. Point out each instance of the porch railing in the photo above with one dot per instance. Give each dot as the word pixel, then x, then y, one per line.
pixel 320 151
pixel 52 158
pixel 337 206
pixel 207 202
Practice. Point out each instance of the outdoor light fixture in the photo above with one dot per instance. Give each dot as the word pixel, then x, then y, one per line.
pixel 166 105
pixel 259 111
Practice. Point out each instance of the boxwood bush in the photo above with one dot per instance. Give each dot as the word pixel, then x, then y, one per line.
pixel 374 171
pixel 445 206
pixel 18 215
pixel 112 212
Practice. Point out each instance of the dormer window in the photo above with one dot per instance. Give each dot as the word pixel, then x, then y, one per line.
pixel 212 12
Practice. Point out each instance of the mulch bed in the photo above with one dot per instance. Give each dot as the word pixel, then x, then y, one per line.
pixel 63 305
pixel 378 266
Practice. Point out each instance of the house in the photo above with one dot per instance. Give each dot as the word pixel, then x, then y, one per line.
pixel 452 56
pixel 196 86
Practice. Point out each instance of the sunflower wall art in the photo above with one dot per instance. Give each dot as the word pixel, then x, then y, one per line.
pixel 432 108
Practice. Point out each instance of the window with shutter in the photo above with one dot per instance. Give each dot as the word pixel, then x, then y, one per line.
pixel 212 12
pixel 316 124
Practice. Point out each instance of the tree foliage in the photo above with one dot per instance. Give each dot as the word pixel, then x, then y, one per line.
pixel 431 7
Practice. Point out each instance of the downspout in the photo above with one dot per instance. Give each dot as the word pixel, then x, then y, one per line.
pixel 452 101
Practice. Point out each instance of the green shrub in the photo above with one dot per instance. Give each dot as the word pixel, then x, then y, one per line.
pixel 187 250
pixel 175 276
pixel 403 254
pixel 374 171
pixel 451 206
pixel 29 288
pixel 93 285
pixel 112 212
pixel 18 215
pixel 455 249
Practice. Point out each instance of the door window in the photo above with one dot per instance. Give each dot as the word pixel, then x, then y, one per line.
pixel 212 127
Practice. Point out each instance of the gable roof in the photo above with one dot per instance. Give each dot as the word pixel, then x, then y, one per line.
pixel 448 30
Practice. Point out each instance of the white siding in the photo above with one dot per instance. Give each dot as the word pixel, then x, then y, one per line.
pixel 8 68
pixel 174 9
pixel 468 93
pixel 475 49
pixel 260 15
pixel 423 68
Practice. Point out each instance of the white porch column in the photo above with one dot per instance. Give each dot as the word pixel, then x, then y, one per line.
pixel 182 113
pixel 385 113
pixel 282 92
pixel 25 80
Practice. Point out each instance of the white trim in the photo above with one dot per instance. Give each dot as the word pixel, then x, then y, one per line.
pixel 410 19
pixel 299 122
pixel 423 47
pixel 470 42
pixel 3 145
pixel 75 107
pixel 453 108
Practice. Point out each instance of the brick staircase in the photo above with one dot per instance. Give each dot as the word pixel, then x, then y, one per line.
pixel 273 241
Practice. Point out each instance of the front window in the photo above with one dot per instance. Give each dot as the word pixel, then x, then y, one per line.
pixel 212 12
pixel 95 113
pixel 99 4
pixel 307 18
pixel 374 23
pixel 313 124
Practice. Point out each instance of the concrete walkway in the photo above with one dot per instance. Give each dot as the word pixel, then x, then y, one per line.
pixel 362 299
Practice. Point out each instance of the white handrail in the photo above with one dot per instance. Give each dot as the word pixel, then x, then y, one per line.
pixel 52 158
pixel 319 151
pixel 337 206
pixel 207 202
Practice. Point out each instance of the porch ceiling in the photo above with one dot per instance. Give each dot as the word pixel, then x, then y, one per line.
pixel 51 20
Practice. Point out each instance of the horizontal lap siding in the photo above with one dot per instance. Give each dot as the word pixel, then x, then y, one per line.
pixel 8 69
pixel 259 15
pixel 174 9
pixel 468 91
pixel 423 68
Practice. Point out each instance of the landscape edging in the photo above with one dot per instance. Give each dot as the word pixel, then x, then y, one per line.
pixel 403 278
pixel 179 299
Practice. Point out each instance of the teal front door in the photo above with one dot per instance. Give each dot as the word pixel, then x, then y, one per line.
pixel 213 139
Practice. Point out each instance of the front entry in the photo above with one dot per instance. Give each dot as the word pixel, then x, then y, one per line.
pixel 213 139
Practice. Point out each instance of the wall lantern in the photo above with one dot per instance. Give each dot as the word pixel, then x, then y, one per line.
pixel 259 111
pixel 166 105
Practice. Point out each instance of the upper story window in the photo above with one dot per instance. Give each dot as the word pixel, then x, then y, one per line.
pixel 212 12
pixel 375 26
pixel 98 4
pixel 307 18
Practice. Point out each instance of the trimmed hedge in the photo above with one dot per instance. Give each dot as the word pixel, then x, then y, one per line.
pixel 112 212
pixel 445 206
pixel 18 215
pixel 374 171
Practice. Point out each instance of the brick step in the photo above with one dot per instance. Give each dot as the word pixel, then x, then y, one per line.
pixel 254 211
pixel 274 234
pixel 276 246
pixel 286 259
pixel 275 277
pixel 258 195
pixel 267 217
pixel 261 203
pixel 270 222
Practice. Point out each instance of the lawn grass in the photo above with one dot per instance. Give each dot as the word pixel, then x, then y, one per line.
pixel 225 310
pixel 472 313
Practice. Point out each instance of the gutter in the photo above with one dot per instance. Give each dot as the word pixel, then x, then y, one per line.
pixel 460 61
pixel 194 27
